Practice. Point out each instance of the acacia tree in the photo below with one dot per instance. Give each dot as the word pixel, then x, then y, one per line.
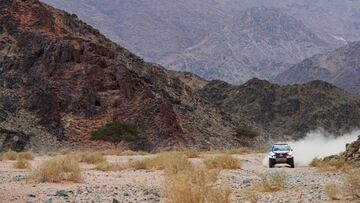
pixel 116 132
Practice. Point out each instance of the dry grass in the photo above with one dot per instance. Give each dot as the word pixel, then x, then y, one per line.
pixel 332 191
pixel 216 152
pixel 90 157
pixel 106 166
pixel 271 182
pixel 1 157
pixel 57 170
pixel 123 153
pixel 332 164
pixel 10 155
pixel 136 165
pixel 352 182
pixel 225 161
pixel 192 154
pixel 242 150
pixel 21 163
pixel 193 185
pixel 26 155
pixel 184 182
pixel 51 153
pixel 250 195
pixel 64 152
pixel 111 153
pixel 132 153
pixel 170 162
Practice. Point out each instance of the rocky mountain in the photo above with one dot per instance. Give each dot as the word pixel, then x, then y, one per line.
pixel 261 42
pixel 219 39
pixel 60 79
pixel 340 67
pixel 288 110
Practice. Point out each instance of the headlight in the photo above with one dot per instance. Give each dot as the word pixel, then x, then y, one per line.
pixel 290 154
pixel 271 155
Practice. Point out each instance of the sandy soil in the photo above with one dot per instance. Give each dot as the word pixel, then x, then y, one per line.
pixel 305 184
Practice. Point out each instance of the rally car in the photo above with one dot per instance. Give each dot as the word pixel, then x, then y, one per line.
pixel 281 154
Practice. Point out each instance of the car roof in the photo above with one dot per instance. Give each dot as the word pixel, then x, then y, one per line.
pixel 280 144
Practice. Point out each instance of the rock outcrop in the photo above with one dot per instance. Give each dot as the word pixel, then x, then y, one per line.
pixel 352 152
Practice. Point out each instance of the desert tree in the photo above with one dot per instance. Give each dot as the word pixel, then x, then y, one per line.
pixel 116 132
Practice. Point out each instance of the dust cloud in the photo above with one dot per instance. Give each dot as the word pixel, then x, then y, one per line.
pixel 319 143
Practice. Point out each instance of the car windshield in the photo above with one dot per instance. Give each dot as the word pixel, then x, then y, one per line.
pixel 280 148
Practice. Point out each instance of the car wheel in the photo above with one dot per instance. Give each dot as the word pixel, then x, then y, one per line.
pixel 271 163
pixel 291 162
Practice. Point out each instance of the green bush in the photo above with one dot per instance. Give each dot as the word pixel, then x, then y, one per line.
pixel 116 132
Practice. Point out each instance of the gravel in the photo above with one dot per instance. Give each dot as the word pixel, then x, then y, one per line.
pixel 304 184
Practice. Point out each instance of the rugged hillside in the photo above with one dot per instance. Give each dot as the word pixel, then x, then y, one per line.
pixel 60 77
pixel 289 110
pixel 261 42
pixel 187 34
pixel 352 152
pixel 340 67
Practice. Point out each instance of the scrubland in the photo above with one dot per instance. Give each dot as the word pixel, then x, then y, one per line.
pixel 188 176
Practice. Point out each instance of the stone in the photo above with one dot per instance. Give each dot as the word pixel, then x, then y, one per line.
pixel 48 201
pixel 61 193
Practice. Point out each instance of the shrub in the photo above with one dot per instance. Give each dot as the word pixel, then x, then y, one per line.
pixel 352 181
pixel 332 191
pixel 116 132
pixel 332 164
pixel 242 150
pixel 193 185
pixel 57 170
pixel 26 155
pixel 111 153
pixel 224 161
pixel 271 182
pixel 170 162
pixel 316 162
pixel 132 153
pixel 22 164
pixel 90 157
pixel 124 153
pixel 50 153
pixel 65 152
pixel 10 155
pixel 139 164
pixel 192 154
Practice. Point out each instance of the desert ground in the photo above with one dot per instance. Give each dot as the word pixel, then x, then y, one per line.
pixel 301 184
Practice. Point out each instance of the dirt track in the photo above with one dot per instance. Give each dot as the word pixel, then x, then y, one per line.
pixel 305 184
